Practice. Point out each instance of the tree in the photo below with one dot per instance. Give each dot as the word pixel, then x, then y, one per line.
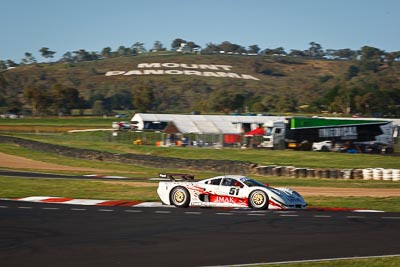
pixel 345 54
pixel 67 57
pixel 38 99
pixel 64 98
pixel 371 53
pixel 121 100
pixel 192 45
pixel 143 97
pixel 253 49
pixel 138 48
pixel 352 72
pixel 315 50
pixel 98 107
pixel 279 51
pixel 158 46
pixel 11 63
pixel 211 48
pixel 82 55
pixel 286 103
pixel 28 59
pixel 297 53
pixel 3 65
pixel 106 52
pixel 46 53
pixel 363 103
pixel 229 47
pixel 177 43
pixel 124 51
pixel 226 101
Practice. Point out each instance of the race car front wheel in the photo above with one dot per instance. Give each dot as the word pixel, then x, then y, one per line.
pixel 258 200
pixel 180 197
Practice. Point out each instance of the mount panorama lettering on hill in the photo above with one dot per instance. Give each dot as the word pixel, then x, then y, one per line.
pixel 205 70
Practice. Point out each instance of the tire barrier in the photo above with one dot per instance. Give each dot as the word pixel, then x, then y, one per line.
pixel 395 175
pixel 377 174
pixel 367 174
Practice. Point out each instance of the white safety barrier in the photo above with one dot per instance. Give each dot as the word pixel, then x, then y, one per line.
pixel 381 174
pixel 387 174
pixel 367 174
pixel 395 175
pixel 377 174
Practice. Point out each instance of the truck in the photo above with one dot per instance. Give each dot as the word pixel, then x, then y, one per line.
pixel 300 133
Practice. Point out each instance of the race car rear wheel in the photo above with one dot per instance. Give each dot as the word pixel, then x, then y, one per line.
pixel 258 200
pixel 180 197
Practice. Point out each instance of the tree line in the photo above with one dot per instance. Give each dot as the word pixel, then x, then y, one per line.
pixel 315 50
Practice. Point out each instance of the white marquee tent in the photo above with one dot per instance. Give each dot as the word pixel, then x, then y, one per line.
pixel 201 124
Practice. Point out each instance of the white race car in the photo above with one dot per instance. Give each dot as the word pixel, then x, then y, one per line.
pixel 233 191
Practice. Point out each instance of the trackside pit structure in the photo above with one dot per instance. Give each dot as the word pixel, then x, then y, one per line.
pixel 200 130
pixel 273 132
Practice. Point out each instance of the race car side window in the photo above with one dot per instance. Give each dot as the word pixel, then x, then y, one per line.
pixel 228 182
pixel 215 181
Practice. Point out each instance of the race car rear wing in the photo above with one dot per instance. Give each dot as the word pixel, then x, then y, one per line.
pixel 176 176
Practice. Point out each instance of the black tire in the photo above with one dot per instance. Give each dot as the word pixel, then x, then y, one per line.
pixel 180 197
pixel 325 149
pixel 258 199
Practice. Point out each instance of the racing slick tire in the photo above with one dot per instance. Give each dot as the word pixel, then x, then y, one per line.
pixel 325 149
pixel 258 199
pixel 180 197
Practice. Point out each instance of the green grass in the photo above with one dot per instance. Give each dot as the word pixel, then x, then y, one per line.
pixel 366 203
pixel 123 144
pixel 62 121
pixel 11 187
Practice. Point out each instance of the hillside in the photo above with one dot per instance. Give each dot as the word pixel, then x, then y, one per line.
pixel 206 83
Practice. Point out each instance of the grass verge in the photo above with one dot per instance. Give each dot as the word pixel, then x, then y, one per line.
pixel 123 144
pixel 370 262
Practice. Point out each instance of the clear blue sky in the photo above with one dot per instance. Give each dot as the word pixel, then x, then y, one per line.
pixel 69 25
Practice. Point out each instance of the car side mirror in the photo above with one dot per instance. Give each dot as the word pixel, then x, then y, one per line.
pixel 267 184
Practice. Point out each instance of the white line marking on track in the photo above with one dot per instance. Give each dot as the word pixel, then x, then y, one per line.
pixel 368 211
pixel 224 213
pixel 23 207
pixel 4 207
pixel 322 216
pixel 256 214
pixel 137 211
pixel 106 210
pixel 50 208
pixel 289 215
pixel 162 211
pixel 192 212
pixel 78 209
pixel 396 218
pixel 355 217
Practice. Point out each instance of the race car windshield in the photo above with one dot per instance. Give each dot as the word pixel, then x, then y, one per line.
pixel 251 182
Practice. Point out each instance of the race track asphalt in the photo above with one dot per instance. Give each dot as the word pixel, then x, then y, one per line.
pixel 41 234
